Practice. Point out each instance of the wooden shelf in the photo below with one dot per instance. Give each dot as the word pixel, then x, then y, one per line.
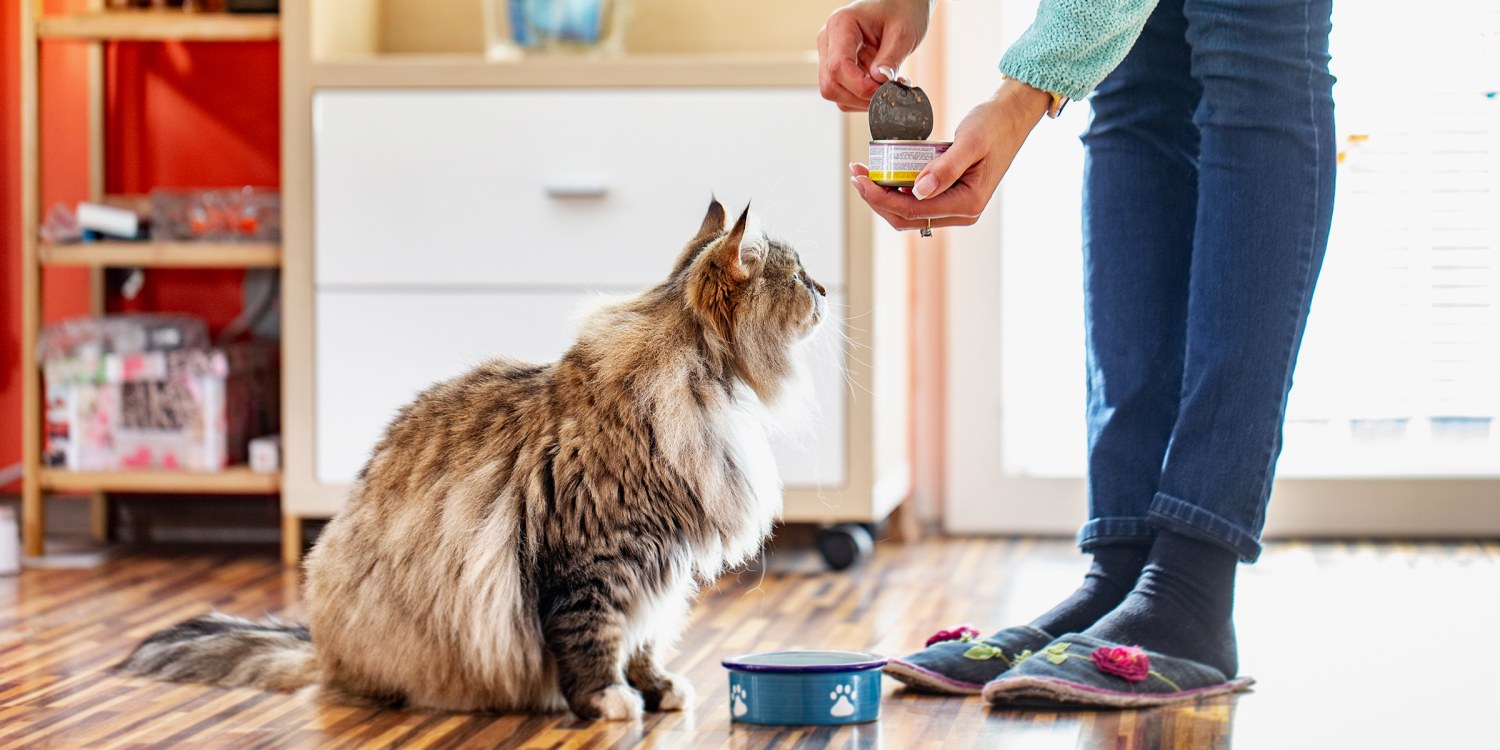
pixel 160 25
pixel 163 254
pixel 551 71
pixel 236 480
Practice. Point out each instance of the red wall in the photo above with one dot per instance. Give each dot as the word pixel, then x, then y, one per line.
pixel 199 115
pixel 178 115
pixel 10 214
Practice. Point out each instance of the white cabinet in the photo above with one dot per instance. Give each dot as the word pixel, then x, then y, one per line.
pixel 576 188
pixel 444 225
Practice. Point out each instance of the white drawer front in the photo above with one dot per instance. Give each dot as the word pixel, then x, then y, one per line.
pixel 377 350
pixel 593 188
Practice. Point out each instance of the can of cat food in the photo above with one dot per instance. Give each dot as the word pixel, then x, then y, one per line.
pixel 896 163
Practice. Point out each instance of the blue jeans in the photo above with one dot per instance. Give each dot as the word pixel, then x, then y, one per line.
pixel 1208 194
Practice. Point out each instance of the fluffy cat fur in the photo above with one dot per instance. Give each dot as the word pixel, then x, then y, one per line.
pixel 529 537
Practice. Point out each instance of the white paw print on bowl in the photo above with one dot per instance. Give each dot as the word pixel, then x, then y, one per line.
pixel 843 697
pixel 738 705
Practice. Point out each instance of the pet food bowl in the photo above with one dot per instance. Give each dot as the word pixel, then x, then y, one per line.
pixel 804 687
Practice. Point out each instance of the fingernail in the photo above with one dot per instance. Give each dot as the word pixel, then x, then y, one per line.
pixel 852 173
pixel 924 187
pixel 887 71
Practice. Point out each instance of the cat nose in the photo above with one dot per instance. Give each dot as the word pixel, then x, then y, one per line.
pixel 821 291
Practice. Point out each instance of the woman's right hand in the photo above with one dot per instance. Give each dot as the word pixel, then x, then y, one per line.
pixel 863 44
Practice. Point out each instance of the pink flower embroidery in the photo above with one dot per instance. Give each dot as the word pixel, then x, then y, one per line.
pixel 960 633
pixel 1129 662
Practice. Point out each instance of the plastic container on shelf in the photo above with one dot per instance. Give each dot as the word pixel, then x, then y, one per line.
pixel 516 27
pixel 246 214
pixel 10 542
pixel 89 337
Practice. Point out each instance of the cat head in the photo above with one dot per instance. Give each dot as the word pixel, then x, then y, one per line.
pixel 751 295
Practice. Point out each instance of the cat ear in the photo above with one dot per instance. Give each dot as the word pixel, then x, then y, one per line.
pixel 713 226
pixel 743 247
pixel 713 220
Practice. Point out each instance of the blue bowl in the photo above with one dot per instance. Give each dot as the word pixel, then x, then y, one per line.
pixel 804 687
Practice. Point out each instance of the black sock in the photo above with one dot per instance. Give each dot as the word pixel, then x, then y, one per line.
pixel 1183 604
pixel 1107 583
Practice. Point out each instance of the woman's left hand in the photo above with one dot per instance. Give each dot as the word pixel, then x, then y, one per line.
pixel 954 188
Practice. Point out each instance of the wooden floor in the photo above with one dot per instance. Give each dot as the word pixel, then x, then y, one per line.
pixel 1354 646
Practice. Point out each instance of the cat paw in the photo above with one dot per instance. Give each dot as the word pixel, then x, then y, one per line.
pixel 678 694
pixel 663 691
pixel 614 703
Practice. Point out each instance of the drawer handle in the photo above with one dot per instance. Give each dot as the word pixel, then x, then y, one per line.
pixel 576 188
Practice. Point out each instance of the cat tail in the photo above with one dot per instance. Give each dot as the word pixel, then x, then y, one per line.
pixel 230 652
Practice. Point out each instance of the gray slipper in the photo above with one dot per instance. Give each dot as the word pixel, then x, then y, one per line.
pixel 1079 670
pixel 962 666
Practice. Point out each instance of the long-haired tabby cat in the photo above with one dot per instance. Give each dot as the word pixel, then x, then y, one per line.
pixel 529 537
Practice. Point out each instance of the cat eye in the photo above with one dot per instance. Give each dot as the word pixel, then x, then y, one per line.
pixel 812 286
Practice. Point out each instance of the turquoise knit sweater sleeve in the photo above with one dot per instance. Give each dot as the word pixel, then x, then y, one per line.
pixel 1073 44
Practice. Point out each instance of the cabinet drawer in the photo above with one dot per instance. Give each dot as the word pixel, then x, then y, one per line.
pixel 377 350
pixel 593 188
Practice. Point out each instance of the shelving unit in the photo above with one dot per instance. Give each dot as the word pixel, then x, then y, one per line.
pixel 96 27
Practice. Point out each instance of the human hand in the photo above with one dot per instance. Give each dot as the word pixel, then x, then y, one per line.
pixel 862 46
pixel 954 188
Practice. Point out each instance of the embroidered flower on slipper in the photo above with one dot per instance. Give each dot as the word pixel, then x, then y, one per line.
pixel 962 633
pixel 1128 662
pixel 982 651
pixel 1057 653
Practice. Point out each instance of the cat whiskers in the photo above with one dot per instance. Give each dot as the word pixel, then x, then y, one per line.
pixel 837 342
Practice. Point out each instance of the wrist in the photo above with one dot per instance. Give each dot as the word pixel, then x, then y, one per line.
pixel 1024 105
pixel 1024 100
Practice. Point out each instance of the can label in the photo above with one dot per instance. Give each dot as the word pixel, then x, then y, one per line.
pixel 897 163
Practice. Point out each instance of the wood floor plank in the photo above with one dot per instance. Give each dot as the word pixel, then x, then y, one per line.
pixel 1328 628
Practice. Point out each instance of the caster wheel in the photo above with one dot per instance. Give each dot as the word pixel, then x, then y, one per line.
pixel 844 545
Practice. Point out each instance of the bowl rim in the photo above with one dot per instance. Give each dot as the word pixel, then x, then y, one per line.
pixel 866 661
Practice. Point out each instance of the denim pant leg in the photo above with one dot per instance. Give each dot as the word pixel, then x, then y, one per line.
pixel 1139 208
pixel 1265 201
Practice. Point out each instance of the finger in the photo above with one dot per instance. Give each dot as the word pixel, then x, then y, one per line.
pixel 847 86
pixel 840 77
pixel 946 169
pixel 852 76
pixel 903 210
pixel 900 209
pixel 895 43
pixel 897 203
pixel 961 201
pixel 897 222
pixel 858 170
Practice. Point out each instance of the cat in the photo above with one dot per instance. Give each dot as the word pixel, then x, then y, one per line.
pixel 530 537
